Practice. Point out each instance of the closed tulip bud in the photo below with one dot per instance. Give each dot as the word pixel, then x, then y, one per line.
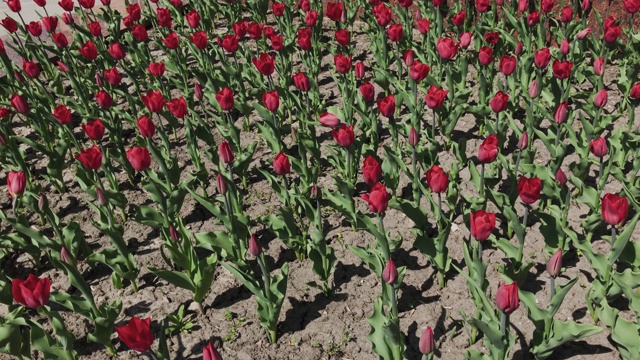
pixel 560 115
pixel 210 353
pixel 102 199
pixel 221 184
pixel 598 147
pixel 359 69
pixel 482 224
pixel 197 89
pixel 565 47
pixel 518 48
pixel 408 57
pixel 281 164
pixel 414 137
pixel 507 297
pixel 43 203
pixel 16 183
pixel 561 177
pixel 437 179
pixel 371 170
pixel 226 153
pixel 63 67
pixel 426 343
pixel 554 265
pixel 173 233
pixel 98 79
pixel 139 158
pixel 583 33
pixel 586 4
pixel 600 99
pixel 390 273
pixel 67 18
pixel 66 257
pixel 465 40
pixel 598 66
pixel 255 249
pixel 19 103
pixel 488 150
pixel 524 141
pixel 614 209
pixel 534 91
pixel 634 93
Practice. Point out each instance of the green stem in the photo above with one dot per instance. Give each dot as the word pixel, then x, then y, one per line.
pixel 482 181
pixel 384 245
pixel 518 161
pixel 503 323
pixel 552 285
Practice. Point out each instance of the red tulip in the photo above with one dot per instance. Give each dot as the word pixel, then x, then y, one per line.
pixel 304 38
pixel 62 114
pixel 387 106
pixel 14 5
pixel 560 115
pixel 561 69
pixel 482 5
pixel 171 41
pixel 139 158
pixel 342 63
pixel 414 137
pixel 524 141
pixel 418 71
pixel 598 147
pixel 156 68
pixel 600 99
pixel 19 103
pixel 507 298
pixel 499 102
pixel 529 189
pixel 614 209
pixel 546 5
pixel 343 37
pixel 394 32
pixel 136 334
pixel 382 13
pixel 66 5
pixel 164 17
pixel 583 33
pixel 50 23
pixel 16 183
pixel 178 107
pixel 482 224
pixel 447 48
pixel 632 6
pixel 140 33
pixel 465 40
pixel 116 51
pixel 554 265
pixel 87 4
pixel 565 47
pixel 226 153
pixel 459 18
pixel 60 39
pixel 225 99
pixel 634 93
pixel 344 135
pixel 255 249
pixel 255 30
pixel 488 151
pixel 534 90
pixel 31 68
pixel 89 50
pixel 134 12
pixel 408 57
pixel 334 11
pixel 229 43
pixel 435 97
pixel 390 273
pixel 329 119
pixel 112 76
pixel 426 344
pixel 367 91
pixel 598 66
pixel 437 179
pixel 264 64
pixel 378 198
pixel 94 129
pixel 221 184
pixel 103 99
pixel 90 158
pixel 485 55
pixel 508 64
pixel 193 18
pixel 146 127
pixel 533 18
pixel 153 100
pixel 492 37
pixel 423 26
pixel 542 57
pixel 33 292
pixel 271 100
pixel 281 164
pixel 34 28
pixel 371 170
pixel 612 33
pixel 311 18
pixel 210 353
pixel 10 24
pixel 199 39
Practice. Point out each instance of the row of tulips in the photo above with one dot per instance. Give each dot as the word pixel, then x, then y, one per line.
pixel 120 81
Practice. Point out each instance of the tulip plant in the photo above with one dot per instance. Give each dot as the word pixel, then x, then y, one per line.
pixel 308 120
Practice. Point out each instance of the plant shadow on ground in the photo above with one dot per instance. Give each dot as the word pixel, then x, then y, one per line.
pixel 302 313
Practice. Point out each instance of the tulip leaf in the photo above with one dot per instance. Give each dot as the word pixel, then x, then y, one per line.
pixel 623 332
pixel 381 343
pixel 562 332
pixel 621 240
pixel 176 278
pixel 146 215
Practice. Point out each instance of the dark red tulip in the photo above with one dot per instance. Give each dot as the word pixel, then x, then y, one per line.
pixel 9 24
pixel 164 17
pixel 612 33
pixel 488 151
pixel 229 43
pixel 178 107
pixel 19 103
pixel 60 39
pixel 387 106
pixel 614 209
pixel 529 189
pixel 311 18
pixel 112 76
pixel 265 64
pixel 226 153
pixel 50 23
pixel 561 177
pixel 634 93
pixel 89 50
pixel 382 13
pixel 225 99
pixel 95 29
pixel 255 249
pixel 210 353
pixel 254 30
pixel 598 147
pixel 116 51
pixel 153 100
pixel 281 164
pixel 423 26
pixel 367 91
pixel 136 334
pixel 343 37
pixel 139 158
pixel 342 63
pixel 34 28
pixel 199 39
pixel 33 292
pixel 193 18
pixel 134 12
pixel 533 18
pixel 62 114
pixel 66 5
pixel 171 41
pixel 437 179
pixel 90 158
pixel 334 11
pixel 507 298
pixel 304 38
pixel 394 32
pixel 103 99
pixel 482 224
pixel 156 68
pixel 146 127
pixel 414 137
pixel 31 68
pixel 435 97
pixel 94 129
pixel 447 48
pixel 140 33
pixel 221 184
pixel 378 198
pixel 561 69
pixel 301 82
pixel 371 170
pixel 271 100
pixel 459 18
pixel 344 136
pixel 492 37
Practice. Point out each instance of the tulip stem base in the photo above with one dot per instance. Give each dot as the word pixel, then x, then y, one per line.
pixel 503 323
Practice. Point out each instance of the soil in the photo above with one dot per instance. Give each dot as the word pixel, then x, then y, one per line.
pixel 311 325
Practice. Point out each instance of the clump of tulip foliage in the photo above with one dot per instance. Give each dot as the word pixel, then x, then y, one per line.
pixel 108 100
